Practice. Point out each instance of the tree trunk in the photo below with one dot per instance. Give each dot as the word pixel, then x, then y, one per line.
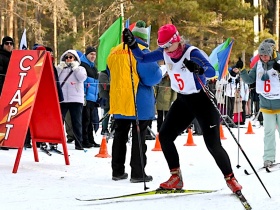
pixel 83 29
pixel 261 17
pixel 10 18
pixel 277 23
pixel 2 20
pixel 55 32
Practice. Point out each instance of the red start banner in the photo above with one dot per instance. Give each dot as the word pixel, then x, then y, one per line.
pixel 29 100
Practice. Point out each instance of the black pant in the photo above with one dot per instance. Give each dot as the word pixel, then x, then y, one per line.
pixel 244 111
pixel 161 114
pixel 182 112
pixel 119 147
pixel 197 127
pixel 148 133
pixel 75 110
pixel 230 106
pixel 87 121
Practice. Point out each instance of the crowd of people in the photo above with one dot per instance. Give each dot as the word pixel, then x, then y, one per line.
pixel 176 97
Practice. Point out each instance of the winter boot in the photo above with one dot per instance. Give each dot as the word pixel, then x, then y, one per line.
pixel 175 181
pixel 232 183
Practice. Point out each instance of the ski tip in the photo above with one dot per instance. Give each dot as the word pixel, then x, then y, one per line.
pixel 246 172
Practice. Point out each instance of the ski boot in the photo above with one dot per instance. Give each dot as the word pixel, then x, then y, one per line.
pixel 174 182
pixel 53 146
pixel 232 183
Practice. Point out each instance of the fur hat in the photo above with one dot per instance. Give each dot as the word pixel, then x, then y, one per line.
pixel 140 30
pixel 7 39
pixel 168 33
pixel 90 49
pixel 265 48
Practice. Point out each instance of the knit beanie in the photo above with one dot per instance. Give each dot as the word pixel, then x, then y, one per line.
pixel 265 48
pixel 49 49
pixel 269 40
pixel 7 39
pixel 90 49
pixel 272 44
pixel 140 30
pixel 168 33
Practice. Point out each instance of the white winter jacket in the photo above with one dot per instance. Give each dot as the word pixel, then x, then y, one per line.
pixel 73 88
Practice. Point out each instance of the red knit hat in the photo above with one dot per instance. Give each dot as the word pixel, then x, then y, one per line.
pixel 168 33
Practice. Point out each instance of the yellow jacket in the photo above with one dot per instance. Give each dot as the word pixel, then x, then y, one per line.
pixel 121 93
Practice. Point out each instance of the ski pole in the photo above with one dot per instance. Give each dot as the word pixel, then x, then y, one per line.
pixel 211 96
pixel 137 122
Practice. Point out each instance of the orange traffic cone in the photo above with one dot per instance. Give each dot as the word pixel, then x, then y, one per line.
pixel 222 136
pixel 190 139
pixel 157 145
pixel 103 152
pixel 250 129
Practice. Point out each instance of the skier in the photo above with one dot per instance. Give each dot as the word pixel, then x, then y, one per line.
pixel 185 64
pixel 265 74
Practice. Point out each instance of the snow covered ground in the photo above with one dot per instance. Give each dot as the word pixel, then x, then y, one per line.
pixel 50 184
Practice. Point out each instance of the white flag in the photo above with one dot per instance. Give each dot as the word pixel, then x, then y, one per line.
pixel 23 41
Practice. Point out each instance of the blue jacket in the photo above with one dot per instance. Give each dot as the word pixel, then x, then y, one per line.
pixel 150 75
pixel 91 82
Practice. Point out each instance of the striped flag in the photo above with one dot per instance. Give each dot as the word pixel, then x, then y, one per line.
pixel 219 58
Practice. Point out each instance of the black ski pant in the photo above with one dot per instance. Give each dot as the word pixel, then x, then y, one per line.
pixel 119 147
pixel 182 112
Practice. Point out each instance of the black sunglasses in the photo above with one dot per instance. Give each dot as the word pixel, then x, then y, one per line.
pixel 70 57
pixel 9 43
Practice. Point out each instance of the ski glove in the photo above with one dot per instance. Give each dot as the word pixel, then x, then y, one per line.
pixel 75 65
pixel 62 65
pixel 276 66
pixel 193 67
pixel 129 39
pixel 239 64
pixel 230 80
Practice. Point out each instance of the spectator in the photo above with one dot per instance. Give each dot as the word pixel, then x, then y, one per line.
pixel 244 93
pixel 230 93
pixel 71 77
pixel 5 54
pixel 220 95
pixel 91 97
pixel 131 82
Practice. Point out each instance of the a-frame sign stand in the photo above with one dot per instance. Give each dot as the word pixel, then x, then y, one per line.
pixel 29 99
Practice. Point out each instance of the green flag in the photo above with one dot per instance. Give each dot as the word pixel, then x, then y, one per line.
pixel 110 38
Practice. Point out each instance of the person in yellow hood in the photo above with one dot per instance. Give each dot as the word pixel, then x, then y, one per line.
pixel 131 81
